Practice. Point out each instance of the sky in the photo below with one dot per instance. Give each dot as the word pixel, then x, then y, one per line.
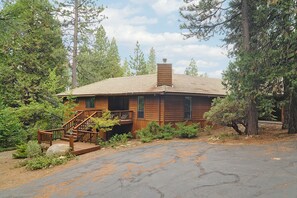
pixel 155 23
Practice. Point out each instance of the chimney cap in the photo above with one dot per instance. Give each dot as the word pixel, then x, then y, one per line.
pixel 164 60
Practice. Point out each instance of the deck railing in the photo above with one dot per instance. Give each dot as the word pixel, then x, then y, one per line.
pixel 72 122
pixel 81 115
pixel 49 135
pixel 87 136
pixel 122 114
pixel 86 123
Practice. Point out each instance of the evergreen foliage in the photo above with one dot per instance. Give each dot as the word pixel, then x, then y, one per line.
pixel 137 62
pixel 192 69
pixel 78 17
pixel 228 112
pixel 11 129
pixel 151 62
pixel 33 69
pixel 99 61
pixel 126 69
pixel 106 122
pixel 263 37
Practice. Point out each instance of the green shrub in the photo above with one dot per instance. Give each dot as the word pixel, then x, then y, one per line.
pixel 21 152
pixel 11 131
pixel 154 131
pixel 33 149
pixel 145 135
pixel 116 140
pixel 187 131
pixel 146 139
pixel 167 132
pixel 229 111
pixel 43 162
pixel 28 150
pixel 102 143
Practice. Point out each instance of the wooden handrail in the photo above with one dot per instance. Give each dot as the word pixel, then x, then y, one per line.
pixel 45 132
pixel 83 122
pixel 41 133
pixel 72 119
pixel 53 130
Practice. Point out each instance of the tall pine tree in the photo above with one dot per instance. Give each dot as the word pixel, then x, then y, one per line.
pixel 33 65
pixel 79 17
pixel 151 62
pixel 100 61
pixel 137 62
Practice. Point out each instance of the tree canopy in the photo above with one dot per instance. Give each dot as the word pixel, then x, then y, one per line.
pixel 33 67
pixel 260 33
pixel 100 60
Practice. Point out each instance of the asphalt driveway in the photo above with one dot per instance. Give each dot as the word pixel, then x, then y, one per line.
pixel 177 169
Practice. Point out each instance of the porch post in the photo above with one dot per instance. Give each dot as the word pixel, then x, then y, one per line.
pixel 71 143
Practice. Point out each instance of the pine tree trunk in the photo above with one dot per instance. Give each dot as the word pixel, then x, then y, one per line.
pixel 285 116
pixel 293 113
pixel 252 114
pixel 285 108
pixel 252 118
pixel 75 40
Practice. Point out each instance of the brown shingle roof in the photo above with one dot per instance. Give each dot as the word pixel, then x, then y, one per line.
pixel 147 84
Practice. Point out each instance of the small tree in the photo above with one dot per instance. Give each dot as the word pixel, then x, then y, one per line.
pixel 151 63
pixel 192 69
pixel 106 122
pixel 228 112
pixel 137 62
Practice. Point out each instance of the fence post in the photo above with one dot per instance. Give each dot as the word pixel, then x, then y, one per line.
pixel 96 141
pixel 71 143
pixel 51 139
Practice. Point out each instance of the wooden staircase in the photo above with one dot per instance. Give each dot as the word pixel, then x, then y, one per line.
pixel 81 121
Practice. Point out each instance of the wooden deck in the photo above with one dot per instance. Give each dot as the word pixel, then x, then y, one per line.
pixel 79 147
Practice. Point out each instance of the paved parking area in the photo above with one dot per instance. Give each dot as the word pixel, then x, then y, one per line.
pixel 177 169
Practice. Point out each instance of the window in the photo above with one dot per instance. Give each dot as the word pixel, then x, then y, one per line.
pixel 188 108
pixel 140 107
pixel 90 102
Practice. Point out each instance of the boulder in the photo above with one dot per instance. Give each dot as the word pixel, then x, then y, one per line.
pixel 58 149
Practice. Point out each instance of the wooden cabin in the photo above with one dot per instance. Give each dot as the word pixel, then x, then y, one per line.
pixel 163 97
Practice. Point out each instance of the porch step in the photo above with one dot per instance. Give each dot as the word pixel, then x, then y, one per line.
pixel 66 137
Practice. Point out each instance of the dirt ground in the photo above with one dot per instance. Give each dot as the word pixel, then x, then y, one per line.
pixel 13 176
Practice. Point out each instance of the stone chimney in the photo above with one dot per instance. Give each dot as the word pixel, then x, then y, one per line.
pixel 164 73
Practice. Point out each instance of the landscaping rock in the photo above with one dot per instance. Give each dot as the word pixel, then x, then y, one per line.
pixel 58 149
